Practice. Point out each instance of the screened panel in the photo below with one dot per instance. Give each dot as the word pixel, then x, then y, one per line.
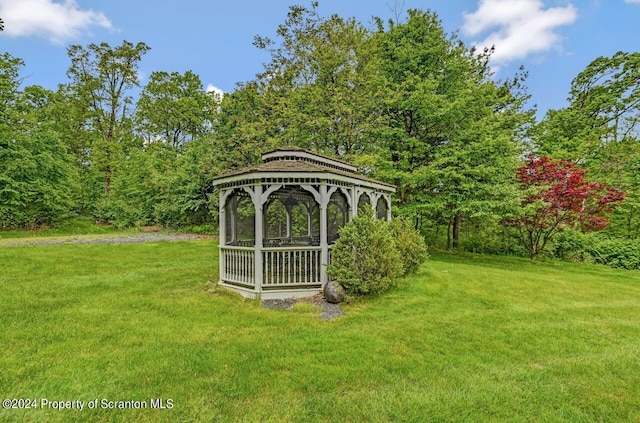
pixel 291 218
pixel 382 208
pixel 363 202
pixel 337 215
pixel 240 220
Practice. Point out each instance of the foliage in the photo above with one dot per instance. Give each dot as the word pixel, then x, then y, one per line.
pixel 557 196
pixel 155 186
pixel 406 102
pixel 451 134
pixel 134 191
pixel 365 259
pixel 191 200
pixel 626 218
pixel 100 98
pixel 590 248
pixel 174 108
pixel 35 182
pixel 410 244
pixel 37 179
pixel 599 130
pixel 318 88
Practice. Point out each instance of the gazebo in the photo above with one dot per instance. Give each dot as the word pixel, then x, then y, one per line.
pixel 279 219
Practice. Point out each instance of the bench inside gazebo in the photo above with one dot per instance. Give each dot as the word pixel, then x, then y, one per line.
pixel 279 219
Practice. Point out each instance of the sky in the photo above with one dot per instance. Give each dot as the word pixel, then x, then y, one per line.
pixel 553 39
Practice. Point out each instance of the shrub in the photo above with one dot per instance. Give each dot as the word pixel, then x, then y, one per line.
pixel 410 244
pixel 613 252
pixel 365 259
pixel 618 253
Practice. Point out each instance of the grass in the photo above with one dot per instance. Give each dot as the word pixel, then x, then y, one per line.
pixel 470 338
pixel 79 226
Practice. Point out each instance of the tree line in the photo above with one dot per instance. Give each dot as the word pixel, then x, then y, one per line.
pixel 405 101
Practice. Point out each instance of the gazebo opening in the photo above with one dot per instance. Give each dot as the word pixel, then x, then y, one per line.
pixel 382 209
pixel 291 218
pixel 337 215
pixel 239 222
pixel 363 201
pixel 279 219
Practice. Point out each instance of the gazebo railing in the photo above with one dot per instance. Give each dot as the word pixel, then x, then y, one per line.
pixel 238 265
pixel 291 267
pixel 293 241
pixel 283 267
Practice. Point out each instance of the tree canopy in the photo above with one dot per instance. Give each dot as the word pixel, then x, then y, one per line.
pixel 402 99
pixel 558 196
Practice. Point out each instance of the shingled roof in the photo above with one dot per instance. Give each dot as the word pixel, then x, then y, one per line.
pixel 297 161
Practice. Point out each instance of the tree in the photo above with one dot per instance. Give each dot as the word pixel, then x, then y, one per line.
pixel 604 107
pixel 242 130
pixel 318 85
pixel 36 173
pixel 452 134
pixel 101 80
pixel 557 196
pixel 174 108
pixel 599 129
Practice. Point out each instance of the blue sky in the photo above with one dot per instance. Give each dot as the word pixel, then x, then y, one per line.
pixel 553 39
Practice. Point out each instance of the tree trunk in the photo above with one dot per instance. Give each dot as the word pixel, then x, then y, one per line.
pixel 457 219
pixel 107 179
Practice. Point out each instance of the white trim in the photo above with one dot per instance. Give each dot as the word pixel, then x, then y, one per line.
pixel 257 177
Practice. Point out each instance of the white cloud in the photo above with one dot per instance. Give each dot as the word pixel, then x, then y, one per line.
pixel 632 1
pixel 517 28
pixel 58 22
pixel 217 91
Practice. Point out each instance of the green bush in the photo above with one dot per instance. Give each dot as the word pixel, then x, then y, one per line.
pixel 410 244
pixel 592 248
pixel 365 259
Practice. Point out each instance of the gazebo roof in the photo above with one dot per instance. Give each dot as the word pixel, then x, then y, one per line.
pixel 300 163
pixel 312 156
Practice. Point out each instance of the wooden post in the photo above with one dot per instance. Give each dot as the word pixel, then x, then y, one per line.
pixel 222 218
pixel 388 200
pixel 259 197
pixel 259 232
pixel 222 224
pixel 355 196
pixel 324 243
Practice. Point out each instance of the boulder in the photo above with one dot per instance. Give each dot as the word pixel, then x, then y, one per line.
pixel 333 292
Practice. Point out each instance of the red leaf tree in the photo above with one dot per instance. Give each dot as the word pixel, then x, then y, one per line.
pixel 557 196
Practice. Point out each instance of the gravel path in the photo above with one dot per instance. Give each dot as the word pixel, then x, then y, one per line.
pixel 112 239
pixel 329 311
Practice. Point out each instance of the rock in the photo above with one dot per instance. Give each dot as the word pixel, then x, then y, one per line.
pixel 333 292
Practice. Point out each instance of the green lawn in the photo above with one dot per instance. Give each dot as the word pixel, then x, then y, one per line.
pixel 468 339
pixel 78 227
